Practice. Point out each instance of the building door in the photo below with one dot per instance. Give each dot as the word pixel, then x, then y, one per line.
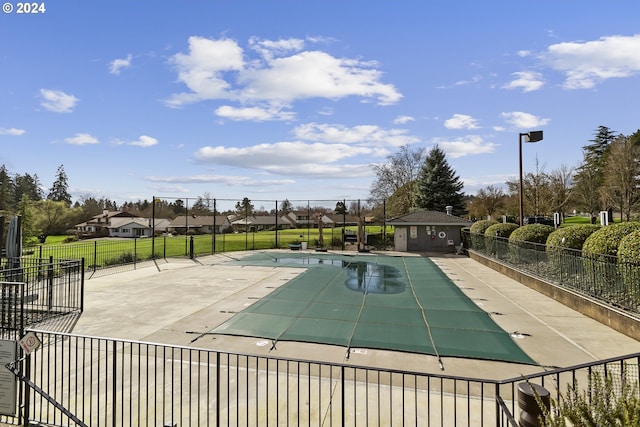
pixel 400 239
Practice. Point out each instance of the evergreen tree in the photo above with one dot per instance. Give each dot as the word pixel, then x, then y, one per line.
pixel 245 208
pixel 59 191
pixel 437 185
pixel 29 186
pixel 589 176
pixel 286 207
pixel 7 195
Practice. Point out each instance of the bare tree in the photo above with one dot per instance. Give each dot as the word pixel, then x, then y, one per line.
pixel 488 201
pixel 621 176
pixel 561 186
pixel 396 178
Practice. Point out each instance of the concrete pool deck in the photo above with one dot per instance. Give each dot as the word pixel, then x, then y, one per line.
pixel 177 301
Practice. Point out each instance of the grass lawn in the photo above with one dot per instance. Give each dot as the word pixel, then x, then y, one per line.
pixel 113 251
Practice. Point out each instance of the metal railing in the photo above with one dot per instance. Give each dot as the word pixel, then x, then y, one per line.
pixel 602 277
pixel 35 290
pixel 118 254
pixel 110 382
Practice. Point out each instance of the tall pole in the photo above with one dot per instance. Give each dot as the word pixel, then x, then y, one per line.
pixel 520 185
pixel 533 136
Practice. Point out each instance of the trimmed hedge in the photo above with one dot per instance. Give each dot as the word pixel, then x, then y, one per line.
pixel 531 233
pixel 606 240
pixel 600 252
pixel 572 237
pixel 477 232
pixel 629 262
pixel 566 242
pixel 503 230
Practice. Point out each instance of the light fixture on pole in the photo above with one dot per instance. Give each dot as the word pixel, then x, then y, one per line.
pixel 533 136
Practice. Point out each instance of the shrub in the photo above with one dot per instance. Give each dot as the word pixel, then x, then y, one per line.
pixel 599 252
pixel 531 233
pixel 502 230
pixel 629 263
pixel 477 232
pixel 571 237
pixel 565 243
pixel 605 241
pixel 604 402
pixel 526 241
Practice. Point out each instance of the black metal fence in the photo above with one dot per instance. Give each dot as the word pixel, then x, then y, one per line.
pixel 602 277
pixel 109 382
pixel 35 290
pixel 116 255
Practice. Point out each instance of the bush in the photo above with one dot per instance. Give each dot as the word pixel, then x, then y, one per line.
pixel 604 402
pixel 527 241
pixel 572 237
pixel 502 230
pixel 531 233
pixel 600 251
pixel 477 232
pixel 566 242
pixel 629 264
pixel 605 241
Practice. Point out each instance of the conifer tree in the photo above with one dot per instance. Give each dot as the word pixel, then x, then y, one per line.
pixel 437 185
pixel 59 191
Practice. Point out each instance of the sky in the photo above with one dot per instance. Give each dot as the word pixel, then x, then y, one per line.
pixel 297 100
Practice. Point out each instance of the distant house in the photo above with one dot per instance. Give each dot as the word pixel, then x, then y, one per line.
pixel 262 222
pixel 427 231
pixel 199 224
pixel 129 227
pixel 107 222
pixel 337 220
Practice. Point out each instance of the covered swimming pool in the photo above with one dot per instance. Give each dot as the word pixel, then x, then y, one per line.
pixel 401 303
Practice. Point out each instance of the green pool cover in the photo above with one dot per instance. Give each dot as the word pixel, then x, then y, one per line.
pixel 372 301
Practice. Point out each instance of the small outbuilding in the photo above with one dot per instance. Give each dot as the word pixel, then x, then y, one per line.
pixel 428 231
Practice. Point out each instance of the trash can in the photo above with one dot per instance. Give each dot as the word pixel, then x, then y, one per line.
pixel 304 246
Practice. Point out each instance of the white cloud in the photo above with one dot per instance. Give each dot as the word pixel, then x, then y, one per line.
pixel 528 81
pixel 520 120
pixel 257 114
pixel 465 146
pixel 400 120
pixel 227 180
pixel 82 139
pixel 12 131
pixel 270 48
pixel 362 134
pixel 117 64
pixel 461 121
pixel 144 141
pixel 202 69
pixel 57 101
pixel 217 69
pixel 586 64
pixel 280 155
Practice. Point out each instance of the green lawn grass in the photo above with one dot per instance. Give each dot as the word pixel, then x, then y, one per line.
pixel 113 251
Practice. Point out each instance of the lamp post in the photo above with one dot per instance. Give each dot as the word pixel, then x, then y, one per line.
pixel 533 136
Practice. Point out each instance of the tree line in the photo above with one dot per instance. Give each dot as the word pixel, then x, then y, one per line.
pixel 607 179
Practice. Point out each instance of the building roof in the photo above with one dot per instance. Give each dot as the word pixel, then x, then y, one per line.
pixel 263 220
pixel 198 221
pixel 429 218
pixel 123 222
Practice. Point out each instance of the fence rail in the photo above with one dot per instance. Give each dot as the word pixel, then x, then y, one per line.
pixel 602 277
pixel 126 253
pixel 110 382
pixel 35 290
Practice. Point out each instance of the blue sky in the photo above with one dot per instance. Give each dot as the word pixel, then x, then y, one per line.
pixel 297 99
